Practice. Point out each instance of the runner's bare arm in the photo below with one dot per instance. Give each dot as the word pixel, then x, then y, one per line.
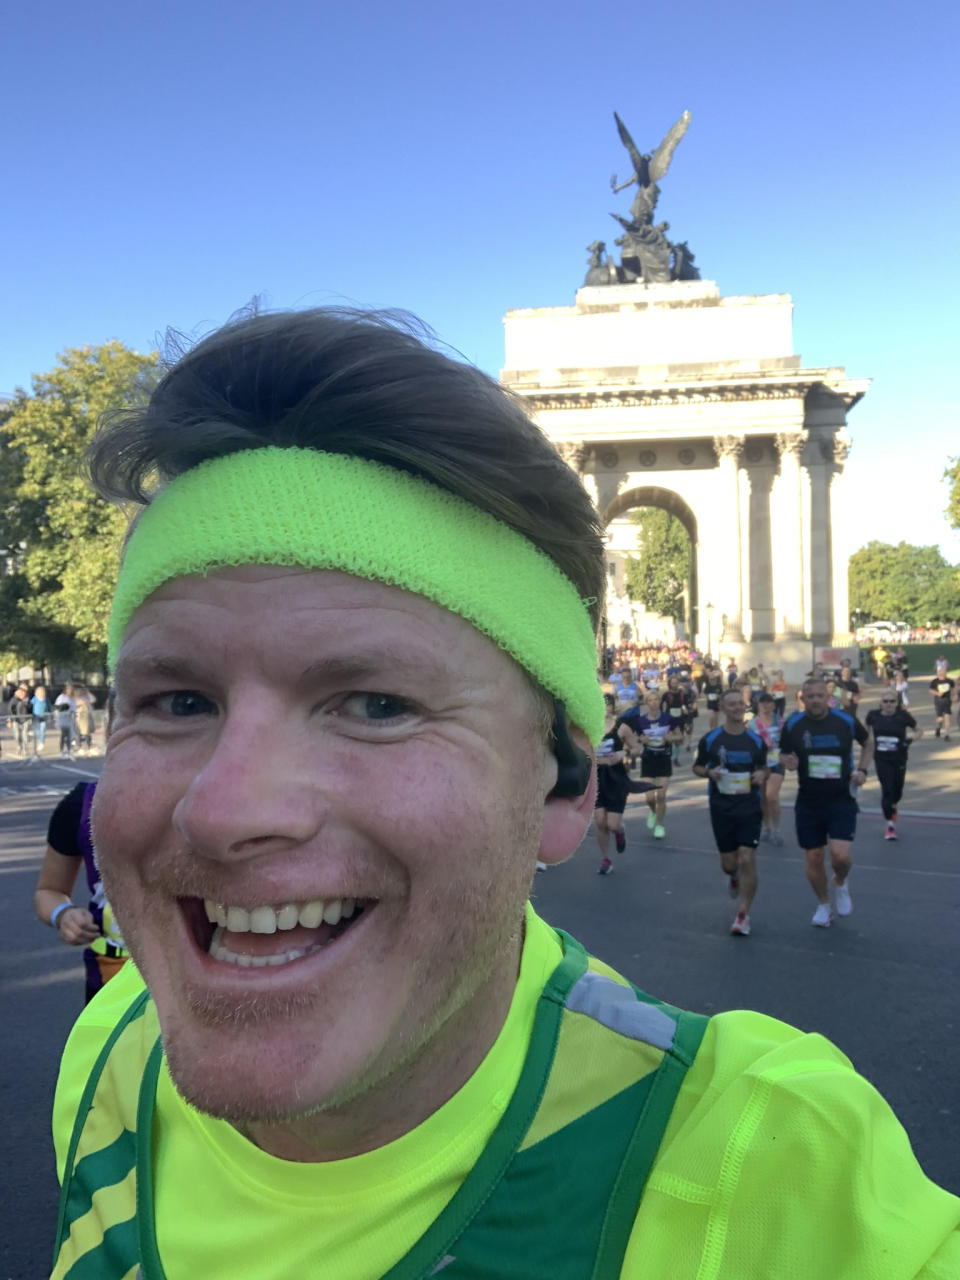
pixel 58 875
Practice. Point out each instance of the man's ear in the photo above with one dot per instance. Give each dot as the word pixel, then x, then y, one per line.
pixel 565 823
pixel 570 779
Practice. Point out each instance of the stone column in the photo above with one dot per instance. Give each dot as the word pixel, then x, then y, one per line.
pixel 820 552
pixel 840 523
pixel 790 526
pixel 744 480
pixel 761 554
pixel 726 539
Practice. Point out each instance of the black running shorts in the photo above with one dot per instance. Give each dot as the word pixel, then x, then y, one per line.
pixel 656 764
pixel 734 828
pixel 833 820
pixel 612 787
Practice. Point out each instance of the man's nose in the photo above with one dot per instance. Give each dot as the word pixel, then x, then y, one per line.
pixel 256 793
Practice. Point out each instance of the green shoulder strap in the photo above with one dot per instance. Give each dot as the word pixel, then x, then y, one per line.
pixel 98 1167
pixel 430 1249
pixel 647 1137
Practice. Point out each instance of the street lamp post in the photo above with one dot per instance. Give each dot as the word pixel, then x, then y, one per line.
pixel 708 610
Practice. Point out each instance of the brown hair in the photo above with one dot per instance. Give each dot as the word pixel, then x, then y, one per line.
pixel 369 385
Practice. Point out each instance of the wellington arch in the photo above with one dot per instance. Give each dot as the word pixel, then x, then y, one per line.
pixel 671 395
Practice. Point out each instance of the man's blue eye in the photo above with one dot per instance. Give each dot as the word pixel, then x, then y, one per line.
pixel 185 703
pixel 383 706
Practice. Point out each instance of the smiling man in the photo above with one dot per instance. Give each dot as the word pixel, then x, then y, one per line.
pixel 355 672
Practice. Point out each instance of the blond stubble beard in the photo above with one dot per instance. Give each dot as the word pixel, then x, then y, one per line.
pixel 399 1061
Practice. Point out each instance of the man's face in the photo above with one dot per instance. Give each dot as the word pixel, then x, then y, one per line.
pixel 815 698
pixel 285 738
pixel 734 707
pixel 888 703
pixel 653 706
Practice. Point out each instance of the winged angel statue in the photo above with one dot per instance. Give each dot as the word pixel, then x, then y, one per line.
pixel 647 255
pixel 647 169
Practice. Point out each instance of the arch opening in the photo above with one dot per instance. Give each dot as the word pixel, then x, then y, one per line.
pixel 659 498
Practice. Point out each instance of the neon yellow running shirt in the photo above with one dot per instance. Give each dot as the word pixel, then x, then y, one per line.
pixel 778 1162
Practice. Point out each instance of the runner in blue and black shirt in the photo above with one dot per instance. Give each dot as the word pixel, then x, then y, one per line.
pixel 819 744
pixel 734 758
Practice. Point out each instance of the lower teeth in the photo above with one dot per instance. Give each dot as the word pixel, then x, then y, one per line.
pixel 218 952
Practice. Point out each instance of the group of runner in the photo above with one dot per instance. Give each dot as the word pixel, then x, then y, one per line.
pixel 749 745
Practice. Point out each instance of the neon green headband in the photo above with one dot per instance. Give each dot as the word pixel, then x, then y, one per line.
pixel 330 511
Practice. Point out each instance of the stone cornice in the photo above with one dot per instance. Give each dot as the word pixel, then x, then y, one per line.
pixel 542 398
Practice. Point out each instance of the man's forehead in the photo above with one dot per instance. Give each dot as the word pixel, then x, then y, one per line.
pixel 296 609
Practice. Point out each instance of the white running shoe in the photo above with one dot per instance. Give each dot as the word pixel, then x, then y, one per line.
pixel 659 832
pixel 741 926
pixel 844 903
pixel 821 916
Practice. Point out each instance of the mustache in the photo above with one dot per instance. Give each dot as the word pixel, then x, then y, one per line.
pixel 181 871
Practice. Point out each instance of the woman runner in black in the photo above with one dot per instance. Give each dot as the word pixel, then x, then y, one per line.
pixel 613 786
pixel 890 725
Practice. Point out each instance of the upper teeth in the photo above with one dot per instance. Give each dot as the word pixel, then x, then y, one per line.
pixel 269 919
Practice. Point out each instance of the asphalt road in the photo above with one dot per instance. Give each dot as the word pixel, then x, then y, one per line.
pixel 883 984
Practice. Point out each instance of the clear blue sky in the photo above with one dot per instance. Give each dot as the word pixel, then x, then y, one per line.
pixel 164 163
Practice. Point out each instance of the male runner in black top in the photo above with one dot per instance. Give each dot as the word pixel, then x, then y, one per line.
pixel 889 725
pixel 942 688
pixel 713 688
pixel 734 758
pixel 673 703
pixel 690 712
pixel 849 689
pixel 818 743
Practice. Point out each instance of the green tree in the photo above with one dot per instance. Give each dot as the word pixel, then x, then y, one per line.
pixel 69 537
pixel 952 474
pixel 658 574
pixel 903 583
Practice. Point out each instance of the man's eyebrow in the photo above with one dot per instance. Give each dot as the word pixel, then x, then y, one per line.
pixel 371 663
pixel 155 665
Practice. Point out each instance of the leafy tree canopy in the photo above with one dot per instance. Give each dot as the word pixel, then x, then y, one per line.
pixel 69 537
pixel 952 474
pixel 903 583
pixel 658 574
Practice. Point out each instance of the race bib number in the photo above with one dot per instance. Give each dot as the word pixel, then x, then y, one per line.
pixel 825 767
pixel 734 784
pixel 773 757
pixel 676 712
pixel 605 748
pixel 888 744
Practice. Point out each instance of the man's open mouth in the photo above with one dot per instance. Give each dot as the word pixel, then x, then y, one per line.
pixel 257 937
